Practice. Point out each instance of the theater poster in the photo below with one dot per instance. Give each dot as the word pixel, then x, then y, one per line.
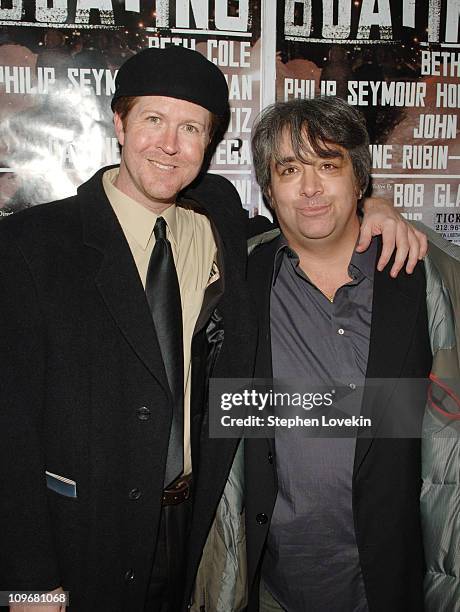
pixel 398 61
pixel 58 62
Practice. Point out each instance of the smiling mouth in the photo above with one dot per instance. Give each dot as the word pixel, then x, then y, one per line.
pixel 160 166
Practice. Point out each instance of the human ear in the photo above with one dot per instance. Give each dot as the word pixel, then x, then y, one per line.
pixel 119 128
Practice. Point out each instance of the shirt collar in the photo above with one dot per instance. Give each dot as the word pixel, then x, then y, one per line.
pixel 364 262
pixel 134 218
pixel 282 247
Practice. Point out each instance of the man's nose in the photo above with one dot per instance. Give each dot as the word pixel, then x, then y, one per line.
pixel 311 184
pixel 169 142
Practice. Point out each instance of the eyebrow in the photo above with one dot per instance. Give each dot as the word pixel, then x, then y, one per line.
pixel 286 160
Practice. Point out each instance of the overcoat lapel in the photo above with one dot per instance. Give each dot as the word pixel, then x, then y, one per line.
pixel 261 273
pixel 394 315
pixel 117 278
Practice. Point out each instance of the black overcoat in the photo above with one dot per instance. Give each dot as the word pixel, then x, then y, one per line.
pixel 84 395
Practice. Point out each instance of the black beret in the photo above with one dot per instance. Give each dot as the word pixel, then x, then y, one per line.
pixel 175 72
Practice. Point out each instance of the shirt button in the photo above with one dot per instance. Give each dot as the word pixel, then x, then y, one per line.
pixel 270 458
pixel 143 413
pixel 341 331
pixel 129 576
pixel 261 518
pixel 352 386
pixel 134 494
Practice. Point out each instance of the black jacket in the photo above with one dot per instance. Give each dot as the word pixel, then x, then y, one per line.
pixel 84 395
pixel 387 472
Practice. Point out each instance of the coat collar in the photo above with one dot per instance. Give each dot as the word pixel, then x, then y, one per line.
pixel 260 279
pixel 117 278
pixel 260 275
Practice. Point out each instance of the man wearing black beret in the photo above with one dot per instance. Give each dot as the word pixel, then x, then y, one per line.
pixel 124 300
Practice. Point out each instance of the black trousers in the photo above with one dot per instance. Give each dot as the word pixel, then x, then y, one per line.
pixel 165 593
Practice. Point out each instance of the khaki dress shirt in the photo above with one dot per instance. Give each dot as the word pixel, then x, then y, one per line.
pixel 194 252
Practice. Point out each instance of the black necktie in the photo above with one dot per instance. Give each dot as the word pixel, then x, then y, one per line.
pixel 163 297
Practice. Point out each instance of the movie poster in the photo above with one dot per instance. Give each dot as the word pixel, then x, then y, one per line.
pixel 398 61
pixel 58 62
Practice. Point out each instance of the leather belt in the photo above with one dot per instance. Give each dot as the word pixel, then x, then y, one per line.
pixel 178 492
